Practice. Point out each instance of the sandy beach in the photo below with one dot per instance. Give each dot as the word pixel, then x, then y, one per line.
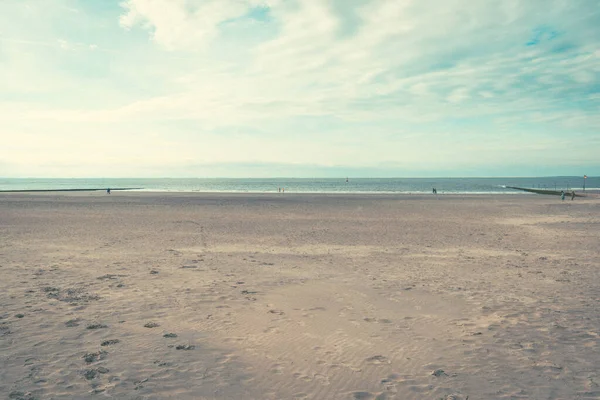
pixel 234 296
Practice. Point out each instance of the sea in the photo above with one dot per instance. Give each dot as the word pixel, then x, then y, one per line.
pixel 309 185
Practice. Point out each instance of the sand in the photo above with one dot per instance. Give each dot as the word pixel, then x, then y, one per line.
pixel 216 296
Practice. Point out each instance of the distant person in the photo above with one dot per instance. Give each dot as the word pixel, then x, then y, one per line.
pixel 108 191
pixel 278 190
pixel 562 195
pixel 572 195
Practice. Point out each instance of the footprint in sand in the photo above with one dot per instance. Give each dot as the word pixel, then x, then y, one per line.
pixel 4 329
pixel 90 374
pixel 110 277
pixel 381 320
pixel 324 380
pixel 72 323
pixel 277 369
pixel 185 347
pixel 225 358
pixel 304 378
pixel 163 363
pixel 271 329
pixel 21 396
pixel 52 291
pixel 93 357
pixel 377 360
pixel 439 372
pixel 455 396
pixel 170 335
pixel 363 395
pixel 140 384
pixel 151 325
pixel 393 380
pixel 110 342
pixel 31 361
pixel 97 326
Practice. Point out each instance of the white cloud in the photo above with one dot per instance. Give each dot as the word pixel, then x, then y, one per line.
pixel 309 69
pixel 411 70
pixel 182 24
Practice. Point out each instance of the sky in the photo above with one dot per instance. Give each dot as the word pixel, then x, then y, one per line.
pixel 308 88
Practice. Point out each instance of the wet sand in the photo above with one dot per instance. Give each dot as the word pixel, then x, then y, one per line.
pixel 215 296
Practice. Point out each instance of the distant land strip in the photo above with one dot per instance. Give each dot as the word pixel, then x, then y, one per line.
pixel 63 190
pixel 545 191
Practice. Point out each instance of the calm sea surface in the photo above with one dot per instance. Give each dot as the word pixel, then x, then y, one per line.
pixel 292 185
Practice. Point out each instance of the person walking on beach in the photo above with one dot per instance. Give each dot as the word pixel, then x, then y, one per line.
pixel 108 191
pixel 562 195
pixel 572 195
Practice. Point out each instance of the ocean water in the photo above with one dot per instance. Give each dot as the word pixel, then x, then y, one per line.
pixel 296 185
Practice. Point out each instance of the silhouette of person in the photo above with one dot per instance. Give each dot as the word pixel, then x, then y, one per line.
pixel 562 195
pixel 108 191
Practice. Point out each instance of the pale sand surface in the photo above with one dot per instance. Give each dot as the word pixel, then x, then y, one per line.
pixel 290 296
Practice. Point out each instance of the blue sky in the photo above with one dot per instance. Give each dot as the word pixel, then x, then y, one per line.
pixel 244 88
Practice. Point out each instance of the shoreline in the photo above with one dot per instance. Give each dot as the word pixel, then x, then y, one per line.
pixel 65 190
pixel 125 193
pixel 288 193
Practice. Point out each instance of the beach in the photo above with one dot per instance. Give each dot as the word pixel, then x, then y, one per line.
pixel 141 295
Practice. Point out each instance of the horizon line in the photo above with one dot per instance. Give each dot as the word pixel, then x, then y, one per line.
pixel 314 177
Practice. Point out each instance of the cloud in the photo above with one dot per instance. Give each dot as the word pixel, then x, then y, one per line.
pixel 183 24
pixel 467 53
pixel 312 81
